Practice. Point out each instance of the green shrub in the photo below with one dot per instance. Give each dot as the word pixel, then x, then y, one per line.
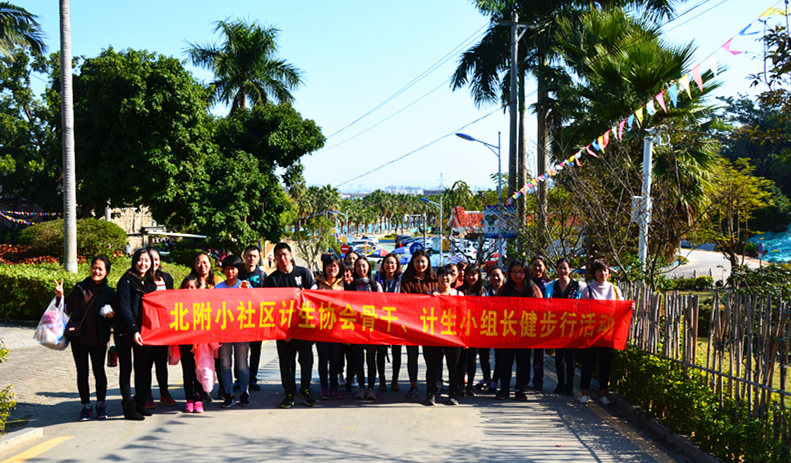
pixel 682 402
pixel 700 283
pixel 94 237
pixel 185 257
pixel 6 402
pixel 28 289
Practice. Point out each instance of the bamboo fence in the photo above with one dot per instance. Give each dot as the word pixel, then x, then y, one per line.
pixel 743 355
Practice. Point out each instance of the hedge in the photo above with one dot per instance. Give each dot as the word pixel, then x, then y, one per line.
pixel 94 237
pixel 28 289
pixel 682 402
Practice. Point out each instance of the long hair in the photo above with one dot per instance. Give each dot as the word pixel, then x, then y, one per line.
pixel 157 274
pixel 381 266
pixel 135 259
pixel 210 278
pixel 477 288
pixel 509 286
pixel 369 275
pixel 410 272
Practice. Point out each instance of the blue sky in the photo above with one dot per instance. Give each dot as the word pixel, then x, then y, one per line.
pixel 357 54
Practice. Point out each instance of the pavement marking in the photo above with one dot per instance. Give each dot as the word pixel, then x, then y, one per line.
pixel 37 450
pixel 653 451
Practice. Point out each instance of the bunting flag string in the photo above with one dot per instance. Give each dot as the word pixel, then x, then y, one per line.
pixel 41 214
pixel 673 90
pixel 25 222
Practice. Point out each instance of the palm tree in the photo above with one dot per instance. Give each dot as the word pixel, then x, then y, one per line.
pixel 19 28
pixel 69 177
pixel 246 66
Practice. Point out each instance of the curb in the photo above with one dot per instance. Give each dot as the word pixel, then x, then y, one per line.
pixel 20 437
pixel 673 441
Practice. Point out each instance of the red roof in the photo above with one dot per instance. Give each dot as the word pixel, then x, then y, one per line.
pixel 461 219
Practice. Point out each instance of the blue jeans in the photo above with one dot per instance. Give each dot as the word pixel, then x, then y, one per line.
pixel 240 351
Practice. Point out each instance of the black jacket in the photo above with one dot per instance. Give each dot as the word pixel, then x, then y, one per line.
pixel 128 304
pixel 97 328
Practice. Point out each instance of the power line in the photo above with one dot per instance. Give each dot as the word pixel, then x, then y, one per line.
pixel 417 150
pixel 414 81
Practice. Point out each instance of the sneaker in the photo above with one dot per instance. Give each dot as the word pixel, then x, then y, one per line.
pixel 254 387
pixel 341 379
pixel 244 399
pixel 394 385
pixel 189 407
pixel 288 401
pixel 470 391
pixel 502 395
pixel 336 394
pixel 371 394
pixel 221 393
pixel 229 401
pixel 481 385
pixel 198 407
pixel 559 390
pixel 605 400
pixel 309 400
pixel 520 396
pixel 167 399
pixel 354 383
pixel 325 394
pixel 150 402
pixel 412 392
pixel 492 387
pixel 452 400
pixel 236 387
pixel 431 399
pixel 86 413
pixel 360 395
pixel 461 392
pixel 584 399
pixel 101 411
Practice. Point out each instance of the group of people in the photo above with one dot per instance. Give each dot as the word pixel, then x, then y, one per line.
pixel 340 365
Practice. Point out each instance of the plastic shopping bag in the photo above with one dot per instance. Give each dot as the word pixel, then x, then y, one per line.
pixel 49 332
pixel 204 364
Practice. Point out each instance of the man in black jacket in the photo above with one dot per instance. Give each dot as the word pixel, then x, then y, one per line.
pixel 288 275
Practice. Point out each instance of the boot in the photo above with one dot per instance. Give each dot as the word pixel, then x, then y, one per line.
pixel 141 408
pixel 130 411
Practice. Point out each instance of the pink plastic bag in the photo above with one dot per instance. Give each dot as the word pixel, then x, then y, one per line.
pixel 174 355
pixel 204 364
pixel 49 332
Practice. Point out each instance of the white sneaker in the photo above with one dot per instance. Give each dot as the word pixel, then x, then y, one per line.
pixel 360 394
pixel 605 400
pixel 370 394
pixel 584 399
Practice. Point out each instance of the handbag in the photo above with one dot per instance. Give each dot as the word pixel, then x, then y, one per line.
pixel 49 332
pixel 76 328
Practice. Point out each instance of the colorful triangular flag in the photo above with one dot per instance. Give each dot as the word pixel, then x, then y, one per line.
pixel 590 152
pixel 683 82
pixel 697 77
pixel 727 47
pixel 660 98
pixel 620 129
pixel 630 121
pixel 639 115
pixel 673 92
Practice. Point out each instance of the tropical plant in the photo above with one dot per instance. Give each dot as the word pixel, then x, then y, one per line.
pixel 246 66
pixel 19 29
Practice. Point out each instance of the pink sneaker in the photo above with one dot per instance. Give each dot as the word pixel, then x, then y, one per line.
pixel 325 394
pixel 190 407
pixel 199 407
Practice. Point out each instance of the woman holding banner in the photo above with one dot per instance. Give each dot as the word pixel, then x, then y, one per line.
pixel 473 286
pixel 418 278
pixel 364 281
pixel 389 277
pixel 496 279
pixel 599 289
pixel 517 285
pixel 564 287
pixel 331 279
pixel 434 354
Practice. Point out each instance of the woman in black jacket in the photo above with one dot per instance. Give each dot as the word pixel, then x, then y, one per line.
pixel 84 302
pixel 133 285
pixel 163 281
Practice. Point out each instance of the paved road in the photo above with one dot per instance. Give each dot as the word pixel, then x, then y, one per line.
pixel 702 262
pixel 546 428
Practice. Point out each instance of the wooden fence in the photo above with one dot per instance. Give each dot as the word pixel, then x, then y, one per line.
pixel 741 346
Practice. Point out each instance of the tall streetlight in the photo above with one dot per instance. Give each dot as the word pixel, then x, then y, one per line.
pixel 441 218
pixel 347 219
pixel 499 190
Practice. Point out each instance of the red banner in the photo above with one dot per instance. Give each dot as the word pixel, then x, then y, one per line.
pixel 236 315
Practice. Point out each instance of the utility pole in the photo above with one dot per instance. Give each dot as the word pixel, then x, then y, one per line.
pixel 644 220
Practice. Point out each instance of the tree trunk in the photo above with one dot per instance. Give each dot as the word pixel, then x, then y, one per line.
pixel 67 119
pixel 522 162
pixel 542 150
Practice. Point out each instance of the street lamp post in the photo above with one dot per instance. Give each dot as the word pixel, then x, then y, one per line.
pixel 499 190
pixel 441 218
pixel 347 219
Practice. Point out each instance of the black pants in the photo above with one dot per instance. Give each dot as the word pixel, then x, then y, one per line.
pixel 123 345
pixel 503 363
pixel 433 356
pixel 468 366
pixel 589 357
pixel 144 364
pixel 381 362
pixel 486 367
pixel 255 360
pixel 412 353
pixel 81 353
pixel 564 365
pixel 329 354
pixel 191 384
pixel 365 355
pixel 287 355
pixel 161 364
